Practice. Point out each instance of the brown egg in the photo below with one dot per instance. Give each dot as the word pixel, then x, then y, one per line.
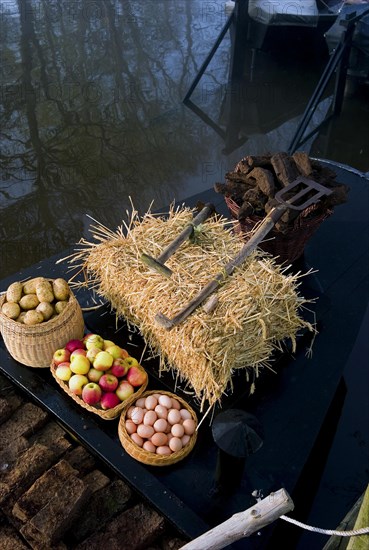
pixel 137 439
pixel 166 401
pixel 130 427
pixel 163 450
pixel 140 402
pixel 137 415
pixel 150 402
pixel 174 416
pixel 160 425
pixel 175 444
pixel 185 439
pixel 175 404
pixel 159 439
pixel 177 430
pixel 149 418
pixel 161 411
pixel 148 446
pixel 129 412
pixel 145 431
pixel 189 426
pixel 185 414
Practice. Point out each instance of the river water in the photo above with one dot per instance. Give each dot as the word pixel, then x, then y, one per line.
pixel 93 119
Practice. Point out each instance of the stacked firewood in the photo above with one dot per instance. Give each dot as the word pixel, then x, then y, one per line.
pixel 256 179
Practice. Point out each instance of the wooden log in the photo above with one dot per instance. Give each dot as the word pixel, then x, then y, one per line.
pixel 257 160
pixel 285 168
pixel 303 163
pixel 244 523
pixel 264 180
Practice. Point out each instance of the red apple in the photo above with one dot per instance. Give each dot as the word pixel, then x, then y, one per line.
pixel 91 393
pixel 80 364
pixel 94 341
pixel 115 351
pixel 76 383
pixel 130 361
pixel 136 375
pixel 74 344
pixel 124 390
pixel 107 344
pixel 109 400
pixel 124 353
pixel 63 371
pixel 78 351
pixel 103 361
pixel 61 355
pixel 108 382
pixel 94 375
pixel 91 353
pixel 119 368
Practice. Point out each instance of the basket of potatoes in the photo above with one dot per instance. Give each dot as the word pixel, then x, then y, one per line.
pixel 37 317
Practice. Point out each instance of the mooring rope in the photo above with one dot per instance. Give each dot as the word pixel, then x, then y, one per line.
pixel 353 533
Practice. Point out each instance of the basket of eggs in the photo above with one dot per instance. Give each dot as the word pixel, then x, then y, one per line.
pixel 158 428
pixel 38 316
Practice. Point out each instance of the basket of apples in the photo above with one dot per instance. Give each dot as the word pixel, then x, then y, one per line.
pixel 98 374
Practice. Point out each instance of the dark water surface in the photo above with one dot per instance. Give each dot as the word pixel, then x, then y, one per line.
pixel 92 114
pixel 93 119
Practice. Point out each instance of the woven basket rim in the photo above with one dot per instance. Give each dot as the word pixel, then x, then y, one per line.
pixel 33 345
pixel 108 414
pixel 152 459
pixel 42 328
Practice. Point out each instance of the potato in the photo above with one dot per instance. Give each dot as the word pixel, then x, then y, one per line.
pixel 30 301
pixel 61 289
pixel 46 309
pixel 14 292
pixel 44 291
pixel 60 306
pixel 20 318
pixel 33 317
pixel 29 287
pixel 11 310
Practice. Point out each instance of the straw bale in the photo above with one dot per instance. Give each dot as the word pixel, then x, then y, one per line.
pixel 258 306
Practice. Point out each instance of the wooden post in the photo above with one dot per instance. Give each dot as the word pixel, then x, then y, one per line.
pixel 244 523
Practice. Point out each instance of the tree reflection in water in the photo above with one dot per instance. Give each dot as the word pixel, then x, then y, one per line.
pixel 91 114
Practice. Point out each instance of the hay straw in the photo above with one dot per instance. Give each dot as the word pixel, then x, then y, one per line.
pixel 258 306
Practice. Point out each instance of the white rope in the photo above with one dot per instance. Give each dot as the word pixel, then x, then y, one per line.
pixel 363 531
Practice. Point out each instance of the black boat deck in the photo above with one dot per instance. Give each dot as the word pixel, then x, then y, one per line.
pixel 298 407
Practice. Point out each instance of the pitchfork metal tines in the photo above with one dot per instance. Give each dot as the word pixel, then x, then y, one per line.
pixel 288 197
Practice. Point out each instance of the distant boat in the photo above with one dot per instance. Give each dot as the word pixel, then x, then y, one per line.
pixel 359 55
pixel 285 15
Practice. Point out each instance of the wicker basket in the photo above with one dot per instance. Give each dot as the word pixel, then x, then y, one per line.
pixel 146 457
pixel 108 414
pixel 286 247
pixel 34 346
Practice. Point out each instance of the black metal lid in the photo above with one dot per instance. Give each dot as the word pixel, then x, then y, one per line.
pixel 237 433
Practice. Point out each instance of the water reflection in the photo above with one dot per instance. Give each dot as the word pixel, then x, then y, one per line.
pixel 92 112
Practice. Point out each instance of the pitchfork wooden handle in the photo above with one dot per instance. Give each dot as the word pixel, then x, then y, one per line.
pixel 264 228
pixel 158 264
pixel 186 233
